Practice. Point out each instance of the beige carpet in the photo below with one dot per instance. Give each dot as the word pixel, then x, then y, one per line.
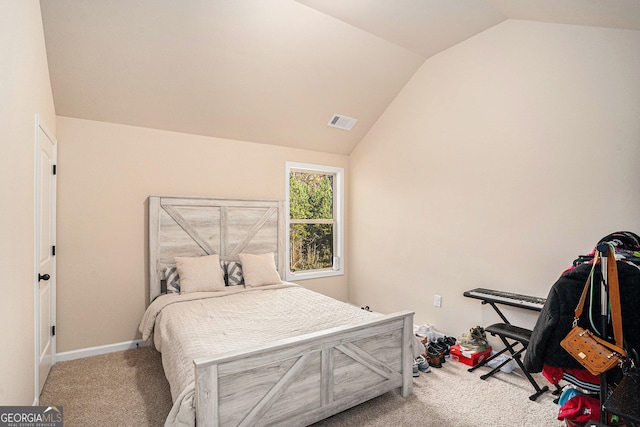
pixel 128 388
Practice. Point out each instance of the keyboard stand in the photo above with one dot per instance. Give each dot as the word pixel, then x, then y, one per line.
pixel 506 331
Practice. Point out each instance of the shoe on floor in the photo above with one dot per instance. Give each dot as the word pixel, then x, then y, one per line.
pixel 442 342
pixel 449 340
pixel 439 350
pixel 475 340
pixel 433 357
pixel 423 365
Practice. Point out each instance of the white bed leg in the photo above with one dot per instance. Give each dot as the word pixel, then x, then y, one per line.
pixel 407 356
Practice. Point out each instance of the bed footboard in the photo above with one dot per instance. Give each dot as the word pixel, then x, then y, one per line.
pixel 301 380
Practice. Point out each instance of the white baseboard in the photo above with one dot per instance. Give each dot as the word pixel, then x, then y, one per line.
pixel 103 349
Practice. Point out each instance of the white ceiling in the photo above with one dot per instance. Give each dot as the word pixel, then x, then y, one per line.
pixel 268 71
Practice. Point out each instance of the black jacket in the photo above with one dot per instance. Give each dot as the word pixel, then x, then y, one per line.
pixel 557 315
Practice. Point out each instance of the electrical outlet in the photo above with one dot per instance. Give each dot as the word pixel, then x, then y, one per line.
pixel 437 300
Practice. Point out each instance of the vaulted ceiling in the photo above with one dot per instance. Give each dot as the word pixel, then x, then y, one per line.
pixel 268 71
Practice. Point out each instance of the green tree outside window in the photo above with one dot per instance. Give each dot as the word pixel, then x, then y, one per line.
pixel 311 220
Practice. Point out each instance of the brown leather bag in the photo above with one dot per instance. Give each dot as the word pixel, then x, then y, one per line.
pixel 592 352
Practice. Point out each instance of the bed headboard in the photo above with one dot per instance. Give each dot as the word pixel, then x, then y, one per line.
pixel 196 226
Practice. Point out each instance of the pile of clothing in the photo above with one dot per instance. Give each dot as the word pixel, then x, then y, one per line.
pixel 544 353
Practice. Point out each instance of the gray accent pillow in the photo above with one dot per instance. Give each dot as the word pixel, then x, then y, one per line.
pixel 172 279
pixel 234 273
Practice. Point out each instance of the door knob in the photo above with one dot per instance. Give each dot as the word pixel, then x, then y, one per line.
pixel 43 277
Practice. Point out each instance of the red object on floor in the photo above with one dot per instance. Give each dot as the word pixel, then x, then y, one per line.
pixel 471 358
pixel 580 409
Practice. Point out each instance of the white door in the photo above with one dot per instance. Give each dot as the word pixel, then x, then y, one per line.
pixel 45 238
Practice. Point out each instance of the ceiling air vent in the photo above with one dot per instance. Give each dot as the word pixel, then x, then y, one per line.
pixel 342 122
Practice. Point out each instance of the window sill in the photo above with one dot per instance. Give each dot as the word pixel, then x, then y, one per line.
pixel 313 275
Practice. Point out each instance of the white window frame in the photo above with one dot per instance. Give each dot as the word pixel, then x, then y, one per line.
pixel 338 232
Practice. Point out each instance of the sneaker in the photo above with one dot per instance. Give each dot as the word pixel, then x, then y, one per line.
pixel 416 371
pixel 446 343
pixel 423 365
pixel 475 340
pixel 449 340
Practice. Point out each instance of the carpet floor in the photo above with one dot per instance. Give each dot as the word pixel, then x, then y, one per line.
pixel 128 388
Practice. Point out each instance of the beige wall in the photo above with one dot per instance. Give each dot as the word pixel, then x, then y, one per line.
pixel 24 92
pixel 503 159
pixel 106 173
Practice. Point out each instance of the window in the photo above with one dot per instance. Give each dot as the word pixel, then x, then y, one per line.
pixel 314 216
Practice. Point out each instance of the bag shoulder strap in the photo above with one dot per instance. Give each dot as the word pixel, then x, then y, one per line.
pixel 583 296
pixel 618 349
pixel 614 297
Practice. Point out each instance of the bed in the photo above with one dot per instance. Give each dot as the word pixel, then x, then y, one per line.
pixel 276 354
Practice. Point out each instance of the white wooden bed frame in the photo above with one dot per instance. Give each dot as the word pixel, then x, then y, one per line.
pixel 295 381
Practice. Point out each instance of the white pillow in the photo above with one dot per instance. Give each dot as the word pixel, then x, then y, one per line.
pixel 200 274
pixel 259 270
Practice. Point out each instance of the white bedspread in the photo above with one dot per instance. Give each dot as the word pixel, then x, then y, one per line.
pixel 190 326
